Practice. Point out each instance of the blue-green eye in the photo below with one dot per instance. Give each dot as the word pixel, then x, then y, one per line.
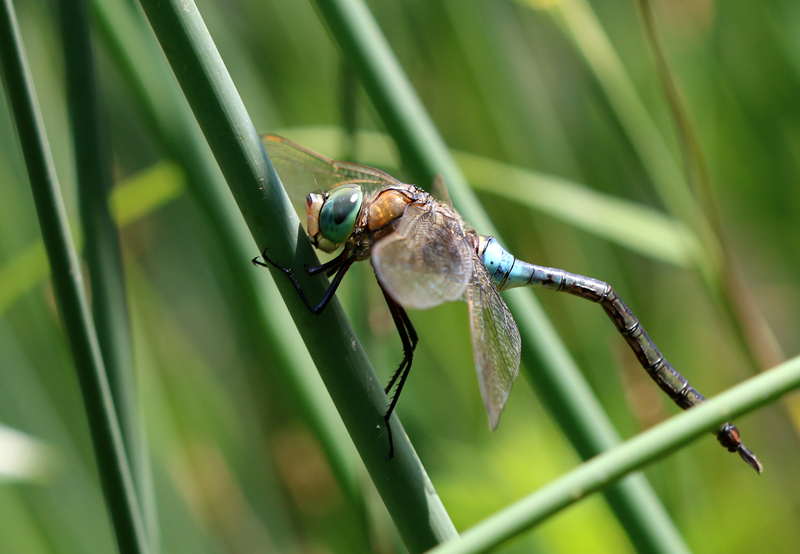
pixel 337 218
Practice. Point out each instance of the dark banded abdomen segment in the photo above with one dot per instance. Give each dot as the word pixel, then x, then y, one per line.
pixel 667 377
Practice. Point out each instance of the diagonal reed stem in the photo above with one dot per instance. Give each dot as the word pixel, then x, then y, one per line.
pixel 402 482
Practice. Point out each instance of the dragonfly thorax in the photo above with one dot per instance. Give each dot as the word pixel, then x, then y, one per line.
pixel 331 217
pixel 388 206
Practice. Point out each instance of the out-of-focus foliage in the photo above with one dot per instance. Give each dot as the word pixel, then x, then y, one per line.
pixel 236 467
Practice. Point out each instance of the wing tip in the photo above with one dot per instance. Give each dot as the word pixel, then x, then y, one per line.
pixel 494 410
pixel 494 419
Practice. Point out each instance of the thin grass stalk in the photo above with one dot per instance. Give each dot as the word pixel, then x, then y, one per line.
pixel 355 389
pixel 562 387
pixel 269 334
pixel 581 25
pixel 743 308
pixel 633 454
pixel 713 260
pixel 112 462
pixel 102 244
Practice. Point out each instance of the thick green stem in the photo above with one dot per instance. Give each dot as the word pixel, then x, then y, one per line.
pixel 355 389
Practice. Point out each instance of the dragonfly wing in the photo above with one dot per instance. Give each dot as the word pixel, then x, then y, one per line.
pixel 439 190
pixel 303 171
pixel 426 261
pixel 495 341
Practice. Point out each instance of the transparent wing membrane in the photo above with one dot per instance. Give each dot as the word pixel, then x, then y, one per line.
pixel 303 171
pixel 495 341
pixel 426 261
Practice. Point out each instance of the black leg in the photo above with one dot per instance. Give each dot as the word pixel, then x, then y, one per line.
pixel 409 339
pixel 408 336
pixel 341 269
pixel 330 267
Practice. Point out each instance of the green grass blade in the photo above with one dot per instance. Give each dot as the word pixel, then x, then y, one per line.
pixel 109 448
pixel 404 486
pixel 563 388
pixel 102 253
pixel 103 257
pixel 633 454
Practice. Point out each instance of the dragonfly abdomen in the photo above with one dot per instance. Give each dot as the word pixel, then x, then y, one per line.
pixel 509 272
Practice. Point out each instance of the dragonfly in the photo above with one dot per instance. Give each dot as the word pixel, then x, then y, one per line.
pixel 424 254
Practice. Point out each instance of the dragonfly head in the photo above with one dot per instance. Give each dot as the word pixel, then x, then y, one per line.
pixel 331 217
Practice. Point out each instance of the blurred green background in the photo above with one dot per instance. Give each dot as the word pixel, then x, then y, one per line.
pixel 546 86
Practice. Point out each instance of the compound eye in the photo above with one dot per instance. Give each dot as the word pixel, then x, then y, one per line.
pixel 337 218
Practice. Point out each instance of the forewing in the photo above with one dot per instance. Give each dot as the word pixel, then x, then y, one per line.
pixel 495 341
pixel 426 261
pixel 303 171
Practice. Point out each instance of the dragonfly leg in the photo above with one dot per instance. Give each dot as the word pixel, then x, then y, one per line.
pixel 329 268
pixel 660 370
pixel 341 269
pixel 409 339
